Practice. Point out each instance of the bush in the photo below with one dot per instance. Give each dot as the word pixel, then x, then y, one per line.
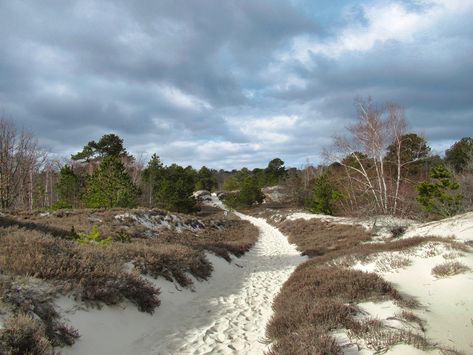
pixel 322 197
pixel 93 237
pixel 438 196
pixel 23 335
pixel 249 194
pixel 449 268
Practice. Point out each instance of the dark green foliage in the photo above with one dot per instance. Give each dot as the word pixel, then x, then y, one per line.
pixel 249 194
pixel 175 189
pixel 413 151
pixel 270 176
pixel 323 195
pixel 68 188
pixel 151 178
pixel 460 155
pixel 108 145
pixel 438 195
pixel 205 180
pixel 110 186
pixel 236 180
pixel 274 172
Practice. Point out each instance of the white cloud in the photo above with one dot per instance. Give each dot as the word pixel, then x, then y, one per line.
pixel 267 129
pixel 384 21
pixel 179 98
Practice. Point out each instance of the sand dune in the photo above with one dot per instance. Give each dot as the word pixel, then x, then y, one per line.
pixel 225 315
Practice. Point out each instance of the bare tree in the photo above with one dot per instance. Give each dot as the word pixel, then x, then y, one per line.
pixel 20 158
pixel 362 154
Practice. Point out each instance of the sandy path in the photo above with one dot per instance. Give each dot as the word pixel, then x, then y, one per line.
pixel 226 315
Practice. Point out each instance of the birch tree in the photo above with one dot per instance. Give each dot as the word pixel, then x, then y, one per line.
pixel 362 153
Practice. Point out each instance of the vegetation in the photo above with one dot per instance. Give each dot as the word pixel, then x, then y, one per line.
pixel 23 335
pixel 439 195
pixel 323 195
pixel 460 155
pixel 110 186
pixel 327 291
pixel 174 192
pixel 248 195
pixel 449 268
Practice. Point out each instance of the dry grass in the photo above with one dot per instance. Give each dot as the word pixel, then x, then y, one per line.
pixel 324 296
pixel 45 248
pixel 23 335
pixel 449 268
pixel 315 237
pixel 32 298
pixel 321 294
pixel 235 237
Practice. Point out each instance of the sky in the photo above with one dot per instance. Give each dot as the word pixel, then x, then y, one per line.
pixel 227 83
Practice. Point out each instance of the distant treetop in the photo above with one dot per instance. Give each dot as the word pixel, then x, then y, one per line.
pixel 108 145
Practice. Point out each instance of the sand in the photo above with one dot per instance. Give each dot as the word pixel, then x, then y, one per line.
pixel 225 315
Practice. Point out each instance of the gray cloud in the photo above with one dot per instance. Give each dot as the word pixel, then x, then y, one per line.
pixel 198 82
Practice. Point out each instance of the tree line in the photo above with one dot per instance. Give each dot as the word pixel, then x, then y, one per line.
pixel 379 167
pixel 104 175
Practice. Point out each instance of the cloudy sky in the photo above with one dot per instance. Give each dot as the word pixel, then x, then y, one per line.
pixel 232 83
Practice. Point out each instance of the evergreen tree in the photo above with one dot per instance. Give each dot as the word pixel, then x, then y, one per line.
pixel 68 188
pixel 205 180
pixel 110 186
pixel 274 172
pixel 176 188
pixel 322 197
pixel 108 145
pixel 460 155
pixel 438 196
pixel 151 178
pixel 249 194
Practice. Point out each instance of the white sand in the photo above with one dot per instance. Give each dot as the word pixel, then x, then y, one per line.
pixel 461 227
pixel 446 303
pixel 225 315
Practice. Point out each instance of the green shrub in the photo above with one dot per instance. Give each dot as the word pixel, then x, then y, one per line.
pixel 61 205
pixel 322 197
pixel 438 195
pixel 249 195
pixel 93 237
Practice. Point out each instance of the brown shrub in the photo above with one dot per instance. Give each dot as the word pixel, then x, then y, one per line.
pixel 88 270
pixel 315 237
pixel 381 338
pixel 23 335
pixel 316 298
pixel 31 299
pixel 449 268
pixel 323 296
pixel 308 340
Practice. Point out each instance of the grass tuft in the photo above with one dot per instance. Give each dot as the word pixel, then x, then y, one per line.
pixel 449 268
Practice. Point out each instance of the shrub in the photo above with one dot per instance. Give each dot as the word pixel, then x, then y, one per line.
pixel 93 237
pixel 23 335
pixel 249 194
pixel 438 196
pixel 449 268
pixel 322 197
pixel 93 274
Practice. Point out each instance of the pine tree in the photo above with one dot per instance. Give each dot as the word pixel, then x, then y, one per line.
pixel 151 178
pixel 68 188
pixel 176 188
pixel 322 197
pixel 110 186
pixel 438 196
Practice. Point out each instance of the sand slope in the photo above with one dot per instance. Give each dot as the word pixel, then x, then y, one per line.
pixel 225 315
